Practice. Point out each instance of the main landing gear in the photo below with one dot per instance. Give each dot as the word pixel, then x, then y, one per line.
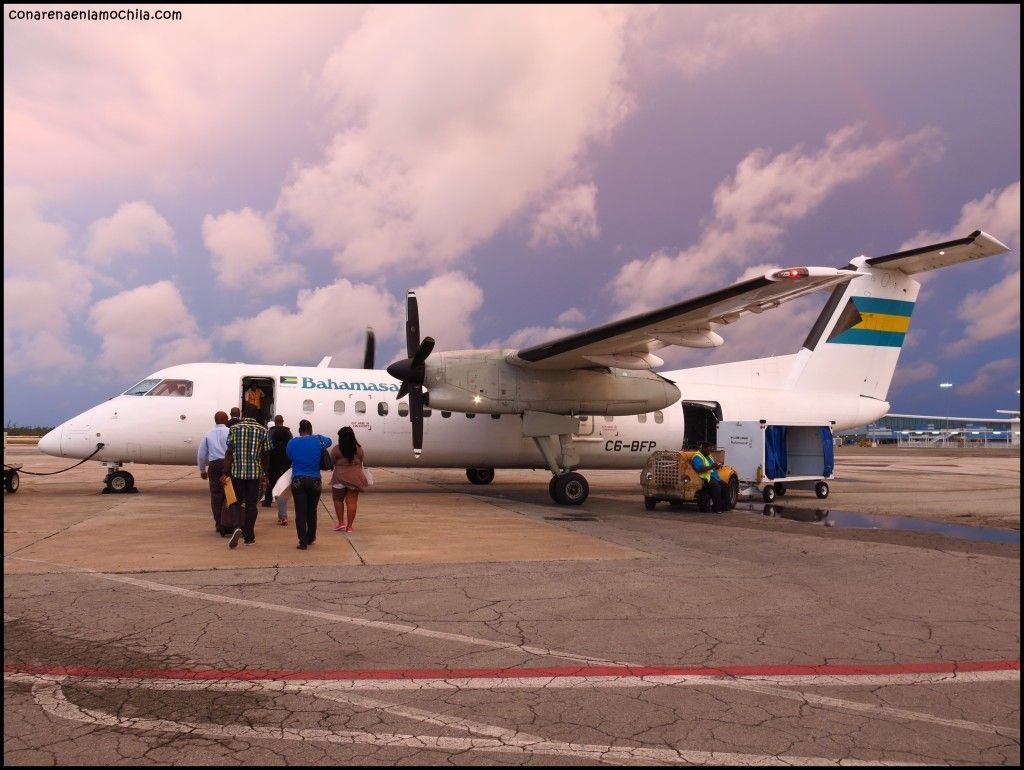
pixel 118 482
pixel 552 434
pixel 480 475
pixel 569 489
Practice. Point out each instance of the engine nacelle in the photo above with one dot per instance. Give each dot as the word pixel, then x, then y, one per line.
pixel 483 381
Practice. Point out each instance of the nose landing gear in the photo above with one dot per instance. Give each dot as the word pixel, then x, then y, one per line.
pixel 118 482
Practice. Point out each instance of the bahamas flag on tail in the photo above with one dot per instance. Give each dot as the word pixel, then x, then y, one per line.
pixel 873 321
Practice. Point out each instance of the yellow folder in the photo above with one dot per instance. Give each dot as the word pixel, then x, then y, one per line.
pixel 229 491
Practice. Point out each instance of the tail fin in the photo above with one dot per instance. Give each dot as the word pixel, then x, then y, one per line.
pixel 854 345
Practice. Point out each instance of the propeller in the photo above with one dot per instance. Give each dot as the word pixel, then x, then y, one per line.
pixel 411 371
pixel 371 343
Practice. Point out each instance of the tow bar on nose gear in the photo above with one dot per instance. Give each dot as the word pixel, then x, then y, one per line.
pixel 12 482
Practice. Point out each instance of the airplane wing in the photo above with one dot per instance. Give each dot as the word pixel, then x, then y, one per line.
pixel 975 246
pixel 627 343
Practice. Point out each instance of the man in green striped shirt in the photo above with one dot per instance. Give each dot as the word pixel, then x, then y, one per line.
pixel 245 463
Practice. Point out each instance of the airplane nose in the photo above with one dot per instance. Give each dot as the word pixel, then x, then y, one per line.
pixel 50 443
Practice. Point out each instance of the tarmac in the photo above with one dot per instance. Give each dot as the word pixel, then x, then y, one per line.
pixel 484 625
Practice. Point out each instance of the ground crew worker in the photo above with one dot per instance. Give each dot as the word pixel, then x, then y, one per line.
pixel 707 469
pixel 254 397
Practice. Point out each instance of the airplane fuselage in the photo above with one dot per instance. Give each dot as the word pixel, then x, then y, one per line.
pixel 167 429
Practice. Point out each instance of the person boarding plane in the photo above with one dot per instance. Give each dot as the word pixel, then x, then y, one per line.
pixel 586 400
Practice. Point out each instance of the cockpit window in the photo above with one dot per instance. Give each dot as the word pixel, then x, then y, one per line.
pixel 141 389
pixel 172 388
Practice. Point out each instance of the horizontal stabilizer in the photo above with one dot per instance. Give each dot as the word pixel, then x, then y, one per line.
pixel 974 246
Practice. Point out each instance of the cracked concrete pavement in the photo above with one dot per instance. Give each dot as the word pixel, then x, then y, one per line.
pixel 462 625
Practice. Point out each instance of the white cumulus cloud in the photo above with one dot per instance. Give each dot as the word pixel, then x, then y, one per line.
pixel 329 320
pixel 44 288
pixel 146 327
pixel 571 216
pixel 446 137
pixel 993 376
pixel 752 208
pixel 446 304
pixel 243 245
pixel 134 229
pixel 997 213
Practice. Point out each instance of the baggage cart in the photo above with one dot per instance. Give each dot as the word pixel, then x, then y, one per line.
pixel 772 459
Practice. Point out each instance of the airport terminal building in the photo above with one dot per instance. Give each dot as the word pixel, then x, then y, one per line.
pixel 930 430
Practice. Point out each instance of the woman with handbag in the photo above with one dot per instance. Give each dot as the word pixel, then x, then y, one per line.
pixel 349 477
pixel 308 454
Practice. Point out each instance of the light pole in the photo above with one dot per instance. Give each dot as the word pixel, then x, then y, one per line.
pixel 946 386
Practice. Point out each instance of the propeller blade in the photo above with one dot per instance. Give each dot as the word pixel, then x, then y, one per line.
pixel 412 324
pixel 416 418
pixel 422 352
pixel 403 391
pixel 371 344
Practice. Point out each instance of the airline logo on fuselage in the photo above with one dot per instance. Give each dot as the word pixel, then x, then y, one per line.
pixel 309 383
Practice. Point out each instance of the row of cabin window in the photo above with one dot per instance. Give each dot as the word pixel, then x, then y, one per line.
pixel 403 411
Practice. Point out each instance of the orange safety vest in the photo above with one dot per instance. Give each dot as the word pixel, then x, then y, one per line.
pixel 254 397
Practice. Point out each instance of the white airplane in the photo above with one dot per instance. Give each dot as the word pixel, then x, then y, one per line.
pixel 587 400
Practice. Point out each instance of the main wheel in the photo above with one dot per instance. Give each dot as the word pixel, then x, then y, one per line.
pixel 120 482
pixel 821 490
pixel 12 481
pixel 571 489
pixel 733 494
pixel 551 489
pixel 780 489
pixel 768 493
pixel 650 502
pixel 480 475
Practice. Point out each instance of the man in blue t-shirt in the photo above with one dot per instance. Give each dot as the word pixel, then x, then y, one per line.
pixel 304 452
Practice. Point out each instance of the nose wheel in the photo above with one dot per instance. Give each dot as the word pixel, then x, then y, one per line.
pixel 119 483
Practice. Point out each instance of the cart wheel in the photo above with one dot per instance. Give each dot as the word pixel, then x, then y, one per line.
pixel 780 489
pixel 650 502
pixel 821 489
pixel 11 481
pixel 768 493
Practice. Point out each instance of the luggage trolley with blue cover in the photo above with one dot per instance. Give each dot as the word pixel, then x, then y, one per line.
pixel 777 458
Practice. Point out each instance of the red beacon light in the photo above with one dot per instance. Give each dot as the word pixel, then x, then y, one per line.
pixel 791 273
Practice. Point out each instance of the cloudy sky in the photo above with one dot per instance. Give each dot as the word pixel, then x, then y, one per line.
pixel 260 184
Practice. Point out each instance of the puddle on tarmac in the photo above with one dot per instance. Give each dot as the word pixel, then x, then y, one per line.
pixel 852 520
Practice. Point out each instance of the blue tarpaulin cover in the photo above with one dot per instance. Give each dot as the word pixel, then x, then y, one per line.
pixel 828 450
pixel 775 451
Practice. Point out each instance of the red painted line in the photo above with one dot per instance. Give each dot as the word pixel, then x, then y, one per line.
pixel 851 669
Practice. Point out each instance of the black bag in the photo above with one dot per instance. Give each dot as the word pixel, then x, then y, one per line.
pixel 326 463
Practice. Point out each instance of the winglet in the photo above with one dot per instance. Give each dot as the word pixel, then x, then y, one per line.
pixel 975 246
